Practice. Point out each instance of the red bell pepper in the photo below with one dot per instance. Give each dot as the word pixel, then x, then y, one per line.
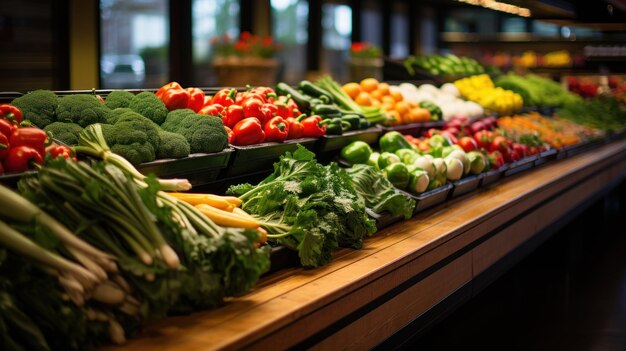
pixel 269 111
pixel 34 138
pixel 20 159
pixel 282 109
pixel 232 115
pixel 276 129
pixel 4 145
pixel 312 126
pixel 196 99
pixel 166 87
pixel 59 150
pixel 293 107
pixel 224 97
pixel 296 129
pixel 207 100
pixel 1 168
pixel 11 113
pixel 175 99
pixel 252 108
pixel 211 110
pixel 6 128
pixel 248 131
pixel 230 134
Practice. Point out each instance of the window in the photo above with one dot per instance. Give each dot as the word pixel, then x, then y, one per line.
pixel 372 23
pixel 545 29
pixel 336 33
pixel 290 29
pixel 210 19
pixel 134 43
pixel 399 31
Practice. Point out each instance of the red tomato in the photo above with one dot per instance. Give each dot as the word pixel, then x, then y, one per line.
pixel 500 143
pixel 483 139
pixel 496 159
pixel 467 144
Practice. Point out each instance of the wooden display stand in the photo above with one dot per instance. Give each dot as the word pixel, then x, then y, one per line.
pixel 409 273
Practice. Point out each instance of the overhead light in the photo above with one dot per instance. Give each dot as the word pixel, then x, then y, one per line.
pixel 499 6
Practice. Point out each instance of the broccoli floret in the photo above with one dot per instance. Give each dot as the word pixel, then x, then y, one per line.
pixel 172 145
pixel 65 132
pixel 149 105
pixel 205 134
pixel 39 107
pixel 132 121
pixel 83 109
pixel 118 98
pixel 174 118
pixel 114 115
pixel 133 145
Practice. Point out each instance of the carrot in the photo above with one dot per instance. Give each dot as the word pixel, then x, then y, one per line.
pixel 208 199
pixel 227 219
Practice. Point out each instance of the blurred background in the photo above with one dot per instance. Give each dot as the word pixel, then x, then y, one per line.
pixel 108 44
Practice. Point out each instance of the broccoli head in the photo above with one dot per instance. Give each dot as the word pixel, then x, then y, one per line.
pixel 39 107
pixel 133 145
pixel 172 145
pixel 133 121
pixel 149 105
pixel 115 114
pixel 83 109
pixel 118 98
pixel 65 132
pixel 174 118
pixel 205 134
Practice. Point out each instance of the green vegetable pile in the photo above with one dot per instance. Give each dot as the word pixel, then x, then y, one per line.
pixel 446 65
pixel 536 90
pixel 605 114
pixel 109 250
pixel 308 207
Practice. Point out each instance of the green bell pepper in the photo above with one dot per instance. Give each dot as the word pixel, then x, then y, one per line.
pixel 387 158
pixel 393 141
pixel 397 174
pixel 407 156
pixel 356 152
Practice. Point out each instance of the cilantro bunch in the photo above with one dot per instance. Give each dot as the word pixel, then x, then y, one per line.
pixel 308 207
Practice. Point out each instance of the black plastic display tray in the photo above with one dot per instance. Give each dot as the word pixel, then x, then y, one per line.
pixel 383 220
pixel 260 157
pixel 465 185
pixel 545 156
pixel 414 129
pixel 519 166
pixel 430 198
pixel 7 96
pixel 492 176
pixel 336 142
pixel 199 169
pixel 584 146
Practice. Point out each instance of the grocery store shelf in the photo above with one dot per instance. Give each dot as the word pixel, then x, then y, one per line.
pixel 364 296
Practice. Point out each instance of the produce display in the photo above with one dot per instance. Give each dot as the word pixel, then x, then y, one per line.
pixel 536 91
pixel 446 65
pixel 446 100
pixel 482 90
pixel 370 92
pixel 91 249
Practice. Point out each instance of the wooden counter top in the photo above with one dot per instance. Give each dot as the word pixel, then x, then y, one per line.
pixel 364 296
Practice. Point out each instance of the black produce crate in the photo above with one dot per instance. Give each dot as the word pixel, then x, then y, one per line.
pixel 561 153
pixel 261 157
pixel 198 168
pixel 414 129
pixel 519 166
pixel 394 70
pixel 10 179
pixel 221 184
pixel 7 96
pixel 337 142
pixel 465 185
pixel 545 156
pixel 430 198
pixel 493 175
pixel 383 220
pixel 584 146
